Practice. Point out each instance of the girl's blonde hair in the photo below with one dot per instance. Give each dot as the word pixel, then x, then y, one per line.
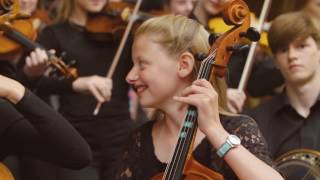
pixel 65 9
pixel 178 34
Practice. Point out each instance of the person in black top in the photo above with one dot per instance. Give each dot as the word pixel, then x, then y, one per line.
pixel 29 127
pixel 291 119
pixel 105 132
pixel 163 75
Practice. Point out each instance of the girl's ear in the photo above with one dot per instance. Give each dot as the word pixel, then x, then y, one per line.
pixel 185 64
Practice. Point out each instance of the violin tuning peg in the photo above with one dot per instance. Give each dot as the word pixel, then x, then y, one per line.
pixel 212 38
pixel 61 78
pixel 252 34
pixel 63 55
pixel 5 5
pixel 200 56
pixel 72 63
pixel 53 73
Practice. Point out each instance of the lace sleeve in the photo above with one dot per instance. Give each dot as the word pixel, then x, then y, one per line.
pixel 251 138
pixel 124 167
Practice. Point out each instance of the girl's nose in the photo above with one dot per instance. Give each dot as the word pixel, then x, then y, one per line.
pixel 132 76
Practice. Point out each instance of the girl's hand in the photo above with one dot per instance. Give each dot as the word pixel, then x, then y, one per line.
pixel 100 87
pixel 236 99
pixel 36 63
pixel 11 89
pixel 202 95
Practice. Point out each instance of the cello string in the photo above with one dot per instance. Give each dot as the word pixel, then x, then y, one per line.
pixel 172 166
pixel 190 131
pixel 174 163
pixel 173 160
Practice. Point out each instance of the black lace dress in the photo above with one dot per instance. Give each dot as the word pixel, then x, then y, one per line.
pixel 139 161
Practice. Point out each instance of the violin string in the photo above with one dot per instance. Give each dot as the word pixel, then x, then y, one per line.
pixel 174 163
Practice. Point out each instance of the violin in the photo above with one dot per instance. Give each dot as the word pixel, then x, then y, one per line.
pixel 123 41
pixel 111 22
pixel 182 164
pixel 5 173
pixel 39 18
pixel 5 6
pixel 15 31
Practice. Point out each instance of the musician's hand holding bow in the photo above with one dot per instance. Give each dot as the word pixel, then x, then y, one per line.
pixel 100 87
pixel 235 100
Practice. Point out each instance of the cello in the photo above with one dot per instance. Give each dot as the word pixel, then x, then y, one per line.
pixel 182 165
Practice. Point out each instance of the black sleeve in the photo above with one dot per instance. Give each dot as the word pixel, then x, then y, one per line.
pixel 264 77
pixel 123 169
pixel 34 129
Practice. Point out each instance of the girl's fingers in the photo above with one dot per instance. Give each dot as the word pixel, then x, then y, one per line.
pixel 95 92
pixel 199 87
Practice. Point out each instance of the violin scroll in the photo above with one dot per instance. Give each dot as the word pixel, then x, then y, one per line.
pixel 6 6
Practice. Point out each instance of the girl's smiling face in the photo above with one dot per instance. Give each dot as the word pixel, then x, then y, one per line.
pixel 154 74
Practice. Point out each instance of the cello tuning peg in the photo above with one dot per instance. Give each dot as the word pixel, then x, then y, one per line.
pixel 200 56
pixel 252 34
pixel 212 38
pixel 238 48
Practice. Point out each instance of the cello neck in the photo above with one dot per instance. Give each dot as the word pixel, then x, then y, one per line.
pixel 183 149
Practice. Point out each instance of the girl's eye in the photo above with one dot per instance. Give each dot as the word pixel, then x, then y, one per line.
pixel 142 65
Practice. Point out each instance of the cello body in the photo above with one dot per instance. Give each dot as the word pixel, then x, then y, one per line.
pixel 195 171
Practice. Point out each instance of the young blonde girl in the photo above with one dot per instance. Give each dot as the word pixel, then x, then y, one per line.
pixel 163 75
